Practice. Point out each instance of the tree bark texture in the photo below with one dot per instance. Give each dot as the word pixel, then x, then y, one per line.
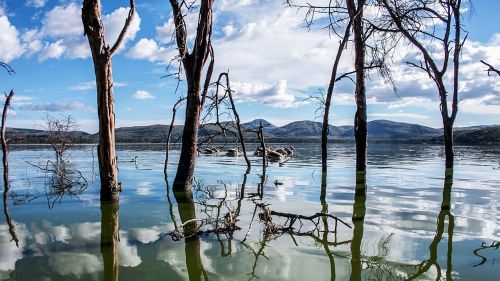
pixel 360 122
pixel 101 55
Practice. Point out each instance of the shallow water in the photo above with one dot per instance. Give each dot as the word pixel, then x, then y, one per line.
pixel 412 224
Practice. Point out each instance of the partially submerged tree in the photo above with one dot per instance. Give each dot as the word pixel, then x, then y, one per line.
pixel 102 54
pixel 434 28
pixel 5 149
pixel 59 135
pixel 338 21
pixel 355 9
pixel 193 62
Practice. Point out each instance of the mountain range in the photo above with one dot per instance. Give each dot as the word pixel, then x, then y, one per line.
pixel 299 131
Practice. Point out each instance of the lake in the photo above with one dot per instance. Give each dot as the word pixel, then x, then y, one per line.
pixel 412 223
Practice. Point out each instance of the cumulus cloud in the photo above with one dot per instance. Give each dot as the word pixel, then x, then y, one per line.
pixel 276 95
pixel 142 95
pixel 148 49
pixel 61 33
pixel 52 50
pixel 11 47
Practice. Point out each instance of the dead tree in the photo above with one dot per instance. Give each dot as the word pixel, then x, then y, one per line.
pixel 229 95
pixel 5 149
pixel 59 135
pixel 360 120
pixel 102 54
pixel 193 63
pixel 439 45
pixel 5 159
pixel 491 69
pixel 337 21
pixel 170 130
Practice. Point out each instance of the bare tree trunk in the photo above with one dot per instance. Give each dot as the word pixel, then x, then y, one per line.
pixel 237 118
pixel 185 169
pixel 110 238
pixel 448 142
pixel 102 54
pixel 169 134
pixel 5 159
pixel 403 17
pixel 193 63
pixel 5 149
pixel 360 122
pixel 333 79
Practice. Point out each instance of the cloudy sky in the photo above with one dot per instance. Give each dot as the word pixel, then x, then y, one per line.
pixel 273 60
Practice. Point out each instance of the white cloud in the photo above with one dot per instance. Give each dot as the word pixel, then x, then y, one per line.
pixel 10 47
pixel 52 51
pixel 91 85
pixel 36 3
pixel 113 24
pixel 148 49
pixel 63 21
pixel 62 33
pixel 142 95
pixel 276 95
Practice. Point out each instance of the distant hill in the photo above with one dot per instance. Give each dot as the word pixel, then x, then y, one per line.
pixel 299 131
pixel 485 135
pixel 254 124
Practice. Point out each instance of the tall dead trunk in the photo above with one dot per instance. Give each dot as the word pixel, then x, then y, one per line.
pixel 101 55
pixel 169 134
pixel 193 63
pixel 5 149
pixel 185 169
pixel 360 122
pixel 405 18
pixel 333 79
pixel 5 159
pixel 110 238
pixel 448 142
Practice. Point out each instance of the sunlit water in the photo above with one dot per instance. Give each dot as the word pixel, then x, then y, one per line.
pixel 405 234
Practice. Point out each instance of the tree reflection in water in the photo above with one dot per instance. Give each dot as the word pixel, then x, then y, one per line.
pixel 110 238
pixel 358 219
pixel 445 212
pixel 187 213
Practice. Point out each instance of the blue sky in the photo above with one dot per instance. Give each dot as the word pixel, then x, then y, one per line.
pixel 274 63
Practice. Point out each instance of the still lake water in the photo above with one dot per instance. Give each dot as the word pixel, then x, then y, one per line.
pixel 416 225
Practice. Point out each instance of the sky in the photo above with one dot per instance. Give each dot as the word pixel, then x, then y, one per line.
pixel 274 63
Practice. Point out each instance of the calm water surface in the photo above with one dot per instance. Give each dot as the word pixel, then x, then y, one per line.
pixel 412 224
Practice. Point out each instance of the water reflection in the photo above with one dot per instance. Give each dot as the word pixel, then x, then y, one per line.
pixel 424 267
pixel 110 238
pixel 12 228
pixel 358 219
pixel 187 213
